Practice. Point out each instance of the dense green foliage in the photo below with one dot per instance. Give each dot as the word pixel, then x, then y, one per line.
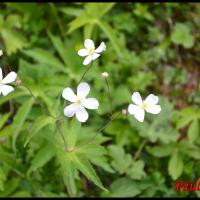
pixel 151 48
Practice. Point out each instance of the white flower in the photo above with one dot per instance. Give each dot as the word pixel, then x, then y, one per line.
pixel 1 52
pixel 79 102
pixel 90 52
pixel 148 105
pixel 105 74
pixel 4 88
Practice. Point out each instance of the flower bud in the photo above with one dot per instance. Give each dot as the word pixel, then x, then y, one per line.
pixel 105 74
pixel 18 82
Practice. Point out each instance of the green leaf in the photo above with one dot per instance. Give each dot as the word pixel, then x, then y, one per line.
pixel 123 187
pixel 137 170
pixel 68 171
pixel 161 151
pixel 60 47
pixel 175 166
pixel 40 123
pixel 42 157
pixel 3 119
pixel 181 35
pixel 93 12
pixel 20 118
pixel 121 161
pixel 86 168
pixel 193 131
pixel 45 57
pixel 111 35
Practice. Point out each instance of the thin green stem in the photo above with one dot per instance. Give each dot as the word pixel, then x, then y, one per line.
pixel 137 154
pixel 109 95
pixel 89 67
pixel 98 131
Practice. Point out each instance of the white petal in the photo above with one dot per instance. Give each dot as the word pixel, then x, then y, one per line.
pixel 6 89
pixel 1 74
pixel 151 100
pixel 69 95
pixel 83 52
pixel 153 109
pixel 81 114
pixel 137 98
pixel 95 56
pixel 70 110
pixel 83 90
pixel 87 60
pixel 137 111
pixel 10 78
pixel 91 103
pixel 1 52
pixel 89 44
pixel 102 47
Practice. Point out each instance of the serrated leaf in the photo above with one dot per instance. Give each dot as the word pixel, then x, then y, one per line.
pixel 86 168
pixel 42 157
pixel 40 123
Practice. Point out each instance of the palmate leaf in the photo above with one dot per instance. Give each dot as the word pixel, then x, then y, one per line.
pixel 80 157
pixel 93 12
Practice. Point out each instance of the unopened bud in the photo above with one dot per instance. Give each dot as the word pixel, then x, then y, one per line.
pixel 124 111
pixel 18 82
pixel 105 74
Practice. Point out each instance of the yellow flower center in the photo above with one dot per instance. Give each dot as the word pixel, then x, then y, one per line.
pixel 91 50
pixel 144 105
pixel 78 101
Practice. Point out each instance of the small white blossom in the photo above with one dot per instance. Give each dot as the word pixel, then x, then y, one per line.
pixel 148 105
pixel 4 88
pixel 90 52
pixel 1 52
pixel 79 102
pixel 105 74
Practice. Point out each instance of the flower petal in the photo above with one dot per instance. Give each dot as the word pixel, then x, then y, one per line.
pixel 137 99
pixel 69 111
pixel 102 47
pixel 89 44
pixel 137 111
pixel 91 103
pixel 69 95
pixel 10 78
pixel 153 109
pixel 83 90
pixel 81 114
pixel 83 52
pixel 6 89
pixel 1 74
pixel 151 100
pixel 95 56
pixel 88 60
pixel 1 52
